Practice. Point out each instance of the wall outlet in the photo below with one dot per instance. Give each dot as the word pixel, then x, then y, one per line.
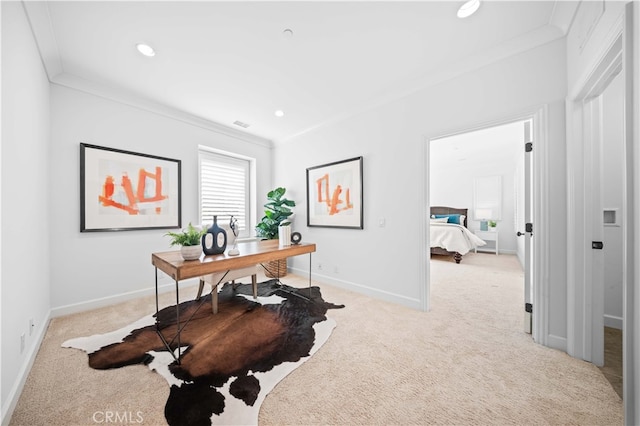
pixel 22 342
pixel 319 266
pixel 31 326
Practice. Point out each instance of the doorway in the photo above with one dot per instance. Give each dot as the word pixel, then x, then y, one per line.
pixel 462 163
pixel 609 155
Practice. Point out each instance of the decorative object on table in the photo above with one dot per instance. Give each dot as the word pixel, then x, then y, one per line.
pixel 214 241
pixel 277 212
pixel 235 230
pixel 124 190
pixel 205 388
pixel 284 235
pixel 296 237
pixel 492 225
pixel 483 215
pixel 189 241
pixel 334 194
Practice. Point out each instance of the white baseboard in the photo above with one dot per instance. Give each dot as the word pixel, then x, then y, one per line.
pixel 118 298
pixel 362 289
pixel 18 386
pixel 613 322
pixel 557 342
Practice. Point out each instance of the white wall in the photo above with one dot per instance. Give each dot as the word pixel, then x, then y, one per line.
pixel 386 262
pixel 26 202
pixel 101 265
pixel 612 195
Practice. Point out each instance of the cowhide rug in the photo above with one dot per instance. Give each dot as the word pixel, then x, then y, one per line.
pixel 231 360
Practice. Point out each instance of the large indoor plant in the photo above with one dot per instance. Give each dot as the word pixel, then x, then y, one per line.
pixel 277 212
pixel 189 239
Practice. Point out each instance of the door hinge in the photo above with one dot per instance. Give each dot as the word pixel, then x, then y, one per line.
pixel 528 227
pixel 528 147
pixel 528 307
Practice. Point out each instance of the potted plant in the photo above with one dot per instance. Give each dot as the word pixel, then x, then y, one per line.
pixel 277 213
pixel 189 239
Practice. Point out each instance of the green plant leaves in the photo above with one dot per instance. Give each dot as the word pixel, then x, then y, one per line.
pixel 191 236
pixel 276 212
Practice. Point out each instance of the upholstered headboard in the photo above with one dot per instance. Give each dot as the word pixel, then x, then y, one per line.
pixel 450 210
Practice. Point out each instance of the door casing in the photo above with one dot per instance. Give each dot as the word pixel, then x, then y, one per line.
pixel 540 212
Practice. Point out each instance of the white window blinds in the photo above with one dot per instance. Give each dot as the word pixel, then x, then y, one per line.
pixel 224 189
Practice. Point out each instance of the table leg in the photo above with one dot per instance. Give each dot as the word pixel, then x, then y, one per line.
pixel 309 274
pixel 178 318
pixel 157 292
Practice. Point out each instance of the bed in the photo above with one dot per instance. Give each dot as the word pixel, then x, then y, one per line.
pixel 450 238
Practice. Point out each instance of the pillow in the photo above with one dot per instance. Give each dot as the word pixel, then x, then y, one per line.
pixel 458 219
pixel 440 220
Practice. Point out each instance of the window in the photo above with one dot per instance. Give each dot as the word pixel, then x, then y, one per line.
pixel 225 189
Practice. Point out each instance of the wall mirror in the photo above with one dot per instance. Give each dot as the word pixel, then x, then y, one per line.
pixel 487 198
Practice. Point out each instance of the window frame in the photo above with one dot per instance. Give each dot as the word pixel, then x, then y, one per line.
pixel 206 153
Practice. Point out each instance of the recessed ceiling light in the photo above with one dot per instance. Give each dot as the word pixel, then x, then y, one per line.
pixel 145 49
pixel 279 113
pixel 468 9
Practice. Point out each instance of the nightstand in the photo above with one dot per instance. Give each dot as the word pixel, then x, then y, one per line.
pixel 488 236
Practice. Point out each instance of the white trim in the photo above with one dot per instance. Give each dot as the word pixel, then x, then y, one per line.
pixel 121 96
pixel 631 274
pixel 557 342
pixel 23 374
pixel 584 301
pixel 40 22
pixel 540 217
pixel 539 37
pixel 360 288
pixel 613 322
pixel 425 227
pixel 115 299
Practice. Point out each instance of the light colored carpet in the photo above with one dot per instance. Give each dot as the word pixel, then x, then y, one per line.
pixel 465 362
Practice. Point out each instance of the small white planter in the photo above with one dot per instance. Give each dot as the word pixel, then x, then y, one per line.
pixel 191 252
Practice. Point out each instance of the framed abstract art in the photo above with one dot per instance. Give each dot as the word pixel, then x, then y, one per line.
pixel 334 194
pixel 123 190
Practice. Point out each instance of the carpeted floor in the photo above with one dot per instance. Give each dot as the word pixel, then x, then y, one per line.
pixel 465 362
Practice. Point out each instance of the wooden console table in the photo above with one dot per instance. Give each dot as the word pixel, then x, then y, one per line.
pixel 251 253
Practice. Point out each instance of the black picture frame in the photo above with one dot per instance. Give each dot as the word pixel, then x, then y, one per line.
pixel 124 190
pixel 335 194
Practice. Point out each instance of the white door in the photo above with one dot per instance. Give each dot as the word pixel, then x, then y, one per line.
pixel 525 222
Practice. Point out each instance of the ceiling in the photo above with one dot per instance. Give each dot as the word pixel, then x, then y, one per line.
pixel 231 61
pixel 491 147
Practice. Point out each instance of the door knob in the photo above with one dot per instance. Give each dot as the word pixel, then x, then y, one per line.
pixel 520 234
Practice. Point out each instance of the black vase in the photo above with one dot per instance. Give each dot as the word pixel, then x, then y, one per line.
pixel 215 240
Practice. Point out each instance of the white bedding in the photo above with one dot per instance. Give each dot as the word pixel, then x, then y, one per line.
pixel 455 238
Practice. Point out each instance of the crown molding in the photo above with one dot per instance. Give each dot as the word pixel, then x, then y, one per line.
pixel 127 98
pixel 539 37
pixel 40 22
pixel 564 12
